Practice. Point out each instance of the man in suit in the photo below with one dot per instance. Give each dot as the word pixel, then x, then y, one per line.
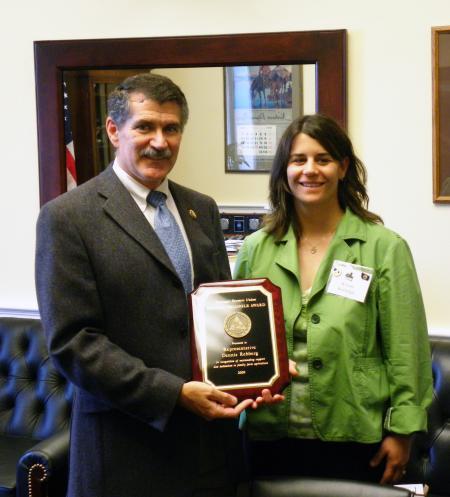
pixel 115 312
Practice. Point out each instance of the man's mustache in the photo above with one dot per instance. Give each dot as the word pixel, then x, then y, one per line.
pixel 151 153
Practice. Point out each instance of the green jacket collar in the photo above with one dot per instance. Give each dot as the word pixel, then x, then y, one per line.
pixel 351 228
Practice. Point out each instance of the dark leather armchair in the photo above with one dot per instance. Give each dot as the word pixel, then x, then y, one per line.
pixel 430 457
pixel 35 407
pixel 315 487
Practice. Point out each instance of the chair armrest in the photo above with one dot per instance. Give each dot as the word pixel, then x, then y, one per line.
pixel 318 487
pixel 44 467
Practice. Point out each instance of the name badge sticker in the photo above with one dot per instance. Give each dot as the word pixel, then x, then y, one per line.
pixel 349 280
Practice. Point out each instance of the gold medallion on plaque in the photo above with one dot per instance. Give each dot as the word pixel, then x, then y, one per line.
pixel 237 325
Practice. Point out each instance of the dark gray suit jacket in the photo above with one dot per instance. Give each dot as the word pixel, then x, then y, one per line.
pixel 116 318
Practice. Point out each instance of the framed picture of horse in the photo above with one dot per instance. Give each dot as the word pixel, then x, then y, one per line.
pixel 260 103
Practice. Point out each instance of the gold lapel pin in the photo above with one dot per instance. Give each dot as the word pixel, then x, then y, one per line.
pixel 192 214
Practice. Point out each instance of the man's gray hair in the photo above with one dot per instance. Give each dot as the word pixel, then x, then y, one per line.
pixel 153 86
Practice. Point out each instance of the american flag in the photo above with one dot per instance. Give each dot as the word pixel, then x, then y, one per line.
pixel 68 140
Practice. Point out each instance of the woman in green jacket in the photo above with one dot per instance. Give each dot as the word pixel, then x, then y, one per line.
pixel 354 316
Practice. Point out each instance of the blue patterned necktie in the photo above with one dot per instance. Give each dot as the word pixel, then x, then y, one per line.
pixel 171 237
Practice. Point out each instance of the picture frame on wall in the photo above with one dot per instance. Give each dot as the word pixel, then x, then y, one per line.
pixel 441 113
pixel 260 103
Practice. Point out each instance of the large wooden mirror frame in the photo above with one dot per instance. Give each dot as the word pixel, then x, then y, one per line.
pixel 325 49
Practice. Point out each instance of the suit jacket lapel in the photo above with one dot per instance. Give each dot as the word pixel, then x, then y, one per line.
pixel 193 230
pixel 120 206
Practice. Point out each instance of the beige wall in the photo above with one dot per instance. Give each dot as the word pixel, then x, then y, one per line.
pixel 389 90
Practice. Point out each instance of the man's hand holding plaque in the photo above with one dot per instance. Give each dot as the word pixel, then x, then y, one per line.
pixel 238 339
pixel 211 403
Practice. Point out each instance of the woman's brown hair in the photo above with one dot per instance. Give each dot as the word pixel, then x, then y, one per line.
pixel 352 191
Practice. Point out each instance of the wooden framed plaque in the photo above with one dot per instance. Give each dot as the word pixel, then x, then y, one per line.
pixel 238 337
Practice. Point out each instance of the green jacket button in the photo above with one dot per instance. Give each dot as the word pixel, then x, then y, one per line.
pixel 315 319
pixel 317 364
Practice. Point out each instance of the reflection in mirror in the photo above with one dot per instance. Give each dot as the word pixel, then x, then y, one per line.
pixel 256 103
pixel 325 50
pixel 260 103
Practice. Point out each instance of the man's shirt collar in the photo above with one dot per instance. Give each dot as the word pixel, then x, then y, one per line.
pixel 137 190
